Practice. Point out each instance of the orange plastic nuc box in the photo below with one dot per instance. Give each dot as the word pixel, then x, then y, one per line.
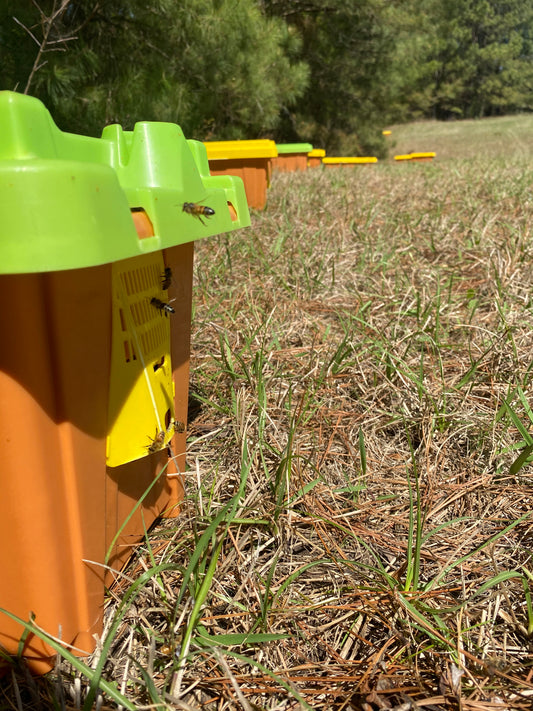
pixel 96 263
pixel 250 160
pixel 314 157
pixel 291 157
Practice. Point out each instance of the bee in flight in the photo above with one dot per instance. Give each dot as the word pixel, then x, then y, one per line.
pixel 178 426
pixel 199 211
pixel 157 443
pixel 166 278
pixel 162 306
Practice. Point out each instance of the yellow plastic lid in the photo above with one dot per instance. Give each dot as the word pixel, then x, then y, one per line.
pixel 414 156
pixel 228 150
pixel 316 153
pixel 349 159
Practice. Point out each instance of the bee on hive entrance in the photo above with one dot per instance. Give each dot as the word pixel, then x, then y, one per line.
pixel 178 426
pixel 199 211
pixel 166 278
pixel 157 443
pixel 162 306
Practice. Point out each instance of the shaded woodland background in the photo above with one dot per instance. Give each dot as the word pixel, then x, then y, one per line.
pixel 332 72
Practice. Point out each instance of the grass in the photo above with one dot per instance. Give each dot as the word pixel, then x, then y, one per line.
pixel 506 137
pixel 358 528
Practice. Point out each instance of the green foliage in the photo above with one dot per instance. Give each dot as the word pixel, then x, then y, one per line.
pixel 219 69
pixel 347 45
pixel 463 59
pixel 333 74
pixel 411 82
pixel 484 56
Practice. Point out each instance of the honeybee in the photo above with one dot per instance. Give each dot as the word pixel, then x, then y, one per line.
pixel 178 426
pixel 157 443
pixel 166 279
pixel 162 306
pixel 199 211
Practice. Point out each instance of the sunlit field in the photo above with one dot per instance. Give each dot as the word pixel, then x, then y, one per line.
pixel 507 137
pixel 358 528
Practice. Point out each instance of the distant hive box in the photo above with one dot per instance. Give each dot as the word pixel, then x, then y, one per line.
pixel 314 157
pixel 96 256
pixel 291 157
pixel 249 160
pixel 337 162
pixel 415 157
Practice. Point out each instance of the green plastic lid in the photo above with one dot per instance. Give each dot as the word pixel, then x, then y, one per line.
pixel 293 148
pixel 66 200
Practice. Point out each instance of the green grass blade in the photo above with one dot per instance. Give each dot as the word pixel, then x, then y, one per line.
pixel 362 451
pixel 527 581
pixel 424 624
pixel 492 539
pixel 199 600
pixel 266 594
pixel 521 460
pixel 293 576
pixel 496 580
pixel 93 676
pixel 225 515
pixel 235 639
pixel 126 601
pixel 136 507
pixel 157 703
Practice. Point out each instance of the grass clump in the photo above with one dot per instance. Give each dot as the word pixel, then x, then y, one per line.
pixel 358 530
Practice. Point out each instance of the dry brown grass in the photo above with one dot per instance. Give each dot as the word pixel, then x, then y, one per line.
pixel 351 353
pixel 506 136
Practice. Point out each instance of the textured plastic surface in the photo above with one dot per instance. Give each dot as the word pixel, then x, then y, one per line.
pixel 250 160
pixel 316 153
pixel 291 157
pixel 95 243
pixel 61 506
pixel 284 148
pixel 141 407
pixel 314 157
pixel 229 150
pixel 65 199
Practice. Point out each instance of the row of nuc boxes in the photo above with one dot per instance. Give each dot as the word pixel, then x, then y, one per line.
pixel 254 161
pixel 96 269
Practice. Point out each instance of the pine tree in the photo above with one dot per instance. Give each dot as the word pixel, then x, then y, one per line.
pixel 484 57
pixel 463 58
pixel 347 45
pixel 219 68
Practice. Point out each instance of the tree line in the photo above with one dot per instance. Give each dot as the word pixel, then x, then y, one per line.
pixel 331 72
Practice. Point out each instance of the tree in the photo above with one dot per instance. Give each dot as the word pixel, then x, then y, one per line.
pixel 463 58
pixel 219 68
pixel 413 66
pixel 484 56
pixel 348 46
